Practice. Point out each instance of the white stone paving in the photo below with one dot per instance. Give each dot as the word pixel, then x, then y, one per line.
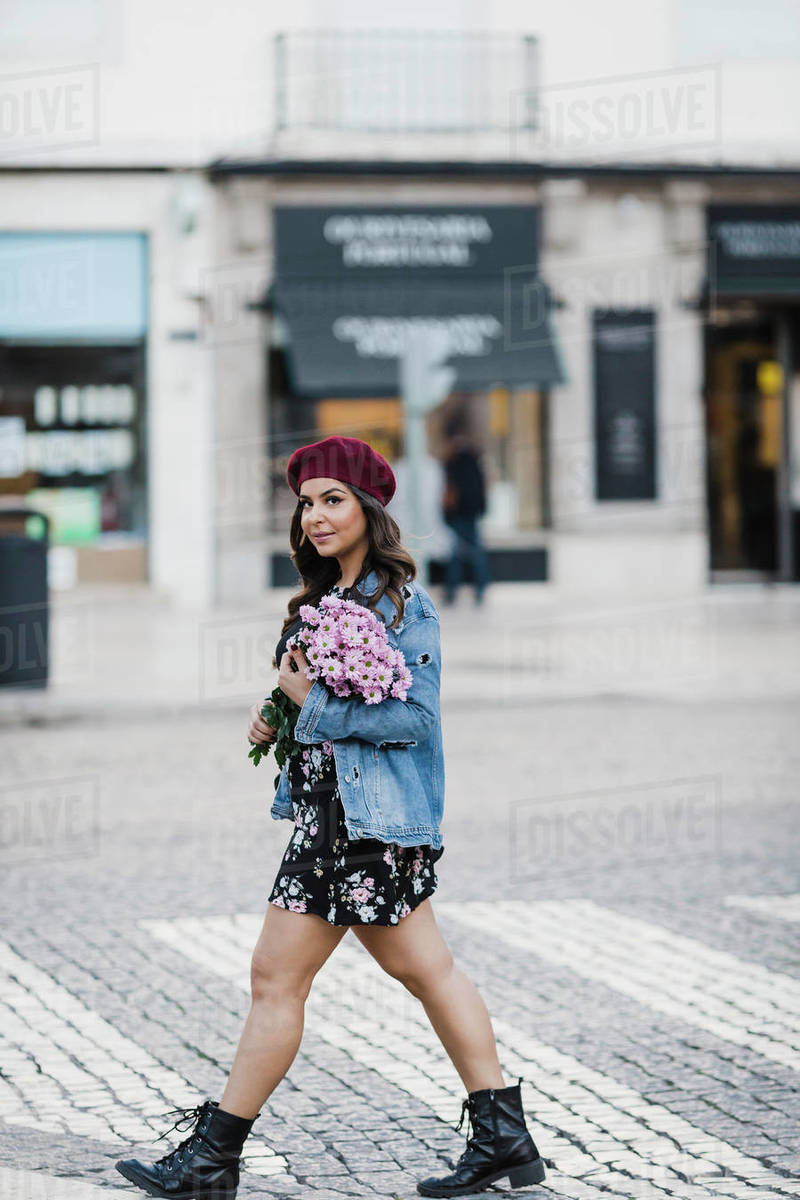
pixel 736 1000
pixel 605 1138
pixel 65 1068
pixel 36 1185
pixel 784 907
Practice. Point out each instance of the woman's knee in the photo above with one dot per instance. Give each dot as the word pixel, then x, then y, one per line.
pixel 424 974
pixel 274 980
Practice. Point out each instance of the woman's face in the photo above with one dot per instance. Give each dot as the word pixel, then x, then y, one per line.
pixel 332 518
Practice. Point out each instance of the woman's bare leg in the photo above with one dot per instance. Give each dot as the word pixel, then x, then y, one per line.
pixel 415 952
pixel 290 950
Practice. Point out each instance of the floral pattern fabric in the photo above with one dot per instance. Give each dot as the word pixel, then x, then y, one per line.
pixel 347 881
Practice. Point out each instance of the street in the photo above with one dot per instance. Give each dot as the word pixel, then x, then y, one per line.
pixel 620 880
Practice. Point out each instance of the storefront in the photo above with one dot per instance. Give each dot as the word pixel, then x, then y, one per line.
pixel 73 324
pixel 752 391
pixel 349 285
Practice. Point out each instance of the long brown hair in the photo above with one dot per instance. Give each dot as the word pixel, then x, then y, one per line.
pixel 386 556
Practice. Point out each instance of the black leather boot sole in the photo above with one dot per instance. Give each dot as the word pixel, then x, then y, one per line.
pixel 526 1173
pixel 209 1192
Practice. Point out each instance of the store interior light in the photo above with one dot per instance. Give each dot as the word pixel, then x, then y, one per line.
pixel 733 313
pixel 45 405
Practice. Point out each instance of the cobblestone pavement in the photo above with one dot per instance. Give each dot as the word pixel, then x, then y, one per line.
pixel 620 879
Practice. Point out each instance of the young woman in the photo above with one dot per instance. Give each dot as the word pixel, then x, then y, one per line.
pixel 363 850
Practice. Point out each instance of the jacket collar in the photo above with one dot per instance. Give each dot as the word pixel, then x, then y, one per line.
pixel 369 583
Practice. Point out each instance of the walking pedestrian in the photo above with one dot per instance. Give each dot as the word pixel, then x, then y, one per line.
pixel 463 503
pixel 366 801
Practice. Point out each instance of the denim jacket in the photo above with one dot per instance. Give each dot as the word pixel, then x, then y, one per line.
pixel 389 759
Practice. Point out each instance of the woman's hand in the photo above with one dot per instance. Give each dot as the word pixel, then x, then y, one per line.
pixel 259 730
pixel 294 683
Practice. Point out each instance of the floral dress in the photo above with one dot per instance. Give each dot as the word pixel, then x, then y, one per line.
pixel 347 881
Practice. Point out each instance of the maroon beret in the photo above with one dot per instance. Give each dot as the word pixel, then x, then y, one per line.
pixel 347 459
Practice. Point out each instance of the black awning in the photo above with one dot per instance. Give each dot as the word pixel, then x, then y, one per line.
pixel 345 337
pixel 754 287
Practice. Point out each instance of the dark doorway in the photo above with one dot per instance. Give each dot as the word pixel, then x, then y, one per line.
pixel 744 442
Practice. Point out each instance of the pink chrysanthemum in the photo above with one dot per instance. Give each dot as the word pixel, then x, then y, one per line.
pixel 347 648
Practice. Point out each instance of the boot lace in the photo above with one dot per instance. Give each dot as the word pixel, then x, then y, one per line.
pixel 187 1118
pixel 467 1110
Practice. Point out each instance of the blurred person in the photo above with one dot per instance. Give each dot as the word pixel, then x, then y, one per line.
pixel 463 503
pixel 351 863
pixel 435 537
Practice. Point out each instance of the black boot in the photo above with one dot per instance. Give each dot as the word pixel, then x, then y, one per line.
pixel 205 1166
pixel 500 1145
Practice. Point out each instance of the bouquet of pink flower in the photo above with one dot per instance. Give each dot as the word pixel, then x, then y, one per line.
pixel 347 649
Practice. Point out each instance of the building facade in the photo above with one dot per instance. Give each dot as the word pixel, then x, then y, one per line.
pixel 190 290
pixel 632 422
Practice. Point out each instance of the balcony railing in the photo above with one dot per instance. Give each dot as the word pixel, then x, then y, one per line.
pixel 376 81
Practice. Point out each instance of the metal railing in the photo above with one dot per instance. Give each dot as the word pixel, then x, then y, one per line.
pixel 392 81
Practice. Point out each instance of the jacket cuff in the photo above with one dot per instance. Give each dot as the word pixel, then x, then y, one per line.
pixel 311 712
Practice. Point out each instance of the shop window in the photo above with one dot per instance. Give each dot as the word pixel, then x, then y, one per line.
pixel 378 421
pixel 507 427
pixel 77 418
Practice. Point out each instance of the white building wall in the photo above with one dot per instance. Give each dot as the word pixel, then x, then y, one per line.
pixel 607 247
pixel 168 83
